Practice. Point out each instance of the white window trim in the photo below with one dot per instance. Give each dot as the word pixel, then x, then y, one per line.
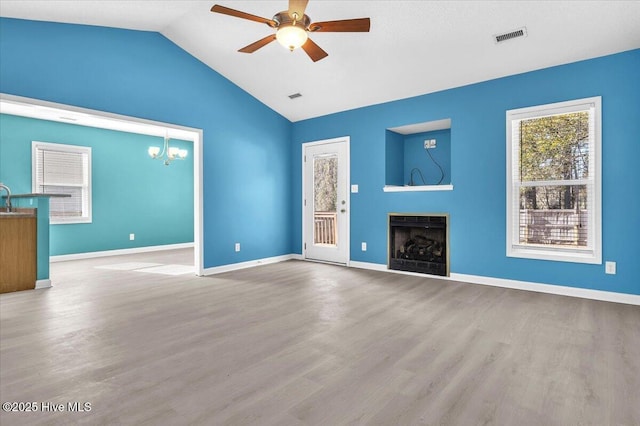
pixel 88 217
pixel 592 255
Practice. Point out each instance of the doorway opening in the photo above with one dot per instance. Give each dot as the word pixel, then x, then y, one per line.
pixel 39 109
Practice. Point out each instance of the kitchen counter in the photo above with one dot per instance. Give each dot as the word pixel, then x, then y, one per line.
pixel 39 204
pixel 35 195
pixel 18 249
pixel 17 212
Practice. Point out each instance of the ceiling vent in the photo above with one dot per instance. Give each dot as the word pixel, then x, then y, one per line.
pixel 520 32
pixel 295 95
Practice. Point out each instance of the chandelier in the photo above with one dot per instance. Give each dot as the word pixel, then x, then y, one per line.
pixel 168 153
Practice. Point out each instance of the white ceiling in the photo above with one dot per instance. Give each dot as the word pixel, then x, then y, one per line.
pixel 414 47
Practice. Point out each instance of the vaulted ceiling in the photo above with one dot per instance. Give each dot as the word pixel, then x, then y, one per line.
pixel 413 48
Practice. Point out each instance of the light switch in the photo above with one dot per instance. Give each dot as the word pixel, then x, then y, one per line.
pixel 354 189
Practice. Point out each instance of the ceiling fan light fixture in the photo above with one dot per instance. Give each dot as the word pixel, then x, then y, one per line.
pixel 292 26
pixel 291 36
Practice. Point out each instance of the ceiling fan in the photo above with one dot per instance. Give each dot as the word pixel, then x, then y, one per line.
pixel 292 27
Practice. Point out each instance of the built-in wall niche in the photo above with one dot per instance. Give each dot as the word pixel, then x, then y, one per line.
pixel 410 165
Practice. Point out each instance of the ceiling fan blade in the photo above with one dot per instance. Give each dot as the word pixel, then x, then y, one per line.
pixel 314 51
pixel 238 14
pixel 258 44
pixel 360 25
pixel 297 6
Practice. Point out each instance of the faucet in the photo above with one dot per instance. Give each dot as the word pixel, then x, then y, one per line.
pixel 8 202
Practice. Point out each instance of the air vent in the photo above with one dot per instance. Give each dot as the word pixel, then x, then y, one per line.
pixel 295 95
pixel 520 32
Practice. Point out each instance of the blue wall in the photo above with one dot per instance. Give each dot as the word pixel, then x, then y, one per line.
pixel 478 171
pixel 415 156
pixel 404 153
pixel 252 172
pixel 394 159
pixel 130 192
pixel 246 152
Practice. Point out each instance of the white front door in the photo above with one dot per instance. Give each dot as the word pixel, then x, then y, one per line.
pixel 326 200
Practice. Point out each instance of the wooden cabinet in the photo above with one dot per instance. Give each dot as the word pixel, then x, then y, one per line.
pixel 18 252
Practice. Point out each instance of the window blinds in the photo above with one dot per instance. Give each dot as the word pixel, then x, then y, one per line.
pixel 63 169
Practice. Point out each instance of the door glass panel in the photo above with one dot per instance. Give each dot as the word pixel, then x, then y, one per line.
pixel 325 199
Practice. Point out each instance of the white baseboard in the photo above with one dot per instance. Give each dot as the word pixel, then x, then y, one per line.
pixel 43 284
pixel 78 256
pixel 248 264
pixel 296 256
pixel 585 293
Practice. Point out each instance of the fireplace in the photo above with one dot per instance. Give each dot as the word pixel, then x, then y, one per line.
pixel 419 243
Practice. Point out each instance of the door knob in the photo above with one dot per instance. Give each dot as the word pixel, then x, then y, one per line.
pixel 343 210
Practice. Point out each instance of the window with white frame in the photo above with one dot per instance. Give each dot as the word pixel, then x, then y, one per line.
pixel 63 169
pixel 554 182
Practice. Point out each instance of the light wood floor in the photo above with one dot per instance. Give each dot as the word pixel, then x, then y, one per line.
pixel 300 343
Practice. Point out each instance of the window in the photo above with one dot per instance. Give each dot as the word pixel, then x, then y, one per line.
pixel 63 169
pixel 554 182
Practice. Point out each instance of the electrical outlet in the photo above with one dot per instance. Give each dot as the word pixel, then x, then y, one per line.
pixel 237 246
pixel 364 246
pixel 429 143
pixel 132 237
pixel 610 268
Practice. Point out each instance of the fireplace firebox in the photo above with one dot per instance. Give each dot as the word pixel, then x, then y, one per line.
pixel 419 243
